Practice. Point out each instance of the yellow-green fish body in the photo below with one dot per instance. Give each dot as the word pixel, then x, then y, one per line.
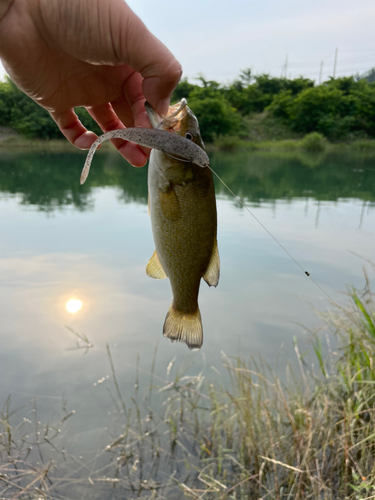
pixel 184 224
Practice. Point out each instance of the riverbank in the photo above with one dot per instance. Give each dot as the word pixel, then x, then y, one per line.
pixel 308 435
pixel 310 143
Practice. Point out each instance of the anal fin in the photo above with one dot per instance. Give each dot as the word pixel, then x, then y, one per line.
pixel 212 274
pixel 154 269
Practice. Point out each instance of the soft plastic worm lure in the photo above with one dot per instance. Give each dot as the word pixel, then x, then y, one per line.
pixel 170 143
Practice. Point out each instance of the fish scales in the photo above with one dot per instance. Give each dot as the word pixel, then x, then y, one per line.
pixel 184 224
pixel 183 214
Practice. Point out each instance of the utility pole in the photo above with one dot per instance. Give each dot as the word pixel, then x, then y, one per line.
pixel 335 65
pixel 321 72
pixel 286 66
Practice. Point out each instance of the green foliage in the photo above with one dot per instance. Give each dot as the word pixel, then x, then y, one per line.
pixel 282 105
pixel 215 115
pixel 29 119
pixel 5 104
pixel 298 85
pixel 24 115
pixel 269 85
pixel 364 96
pixel 369 76
pixel 342 108
pixel 88 121
pixel 316 109
pixel 228 142
pixel 314 142
pixel 183 89
pixel 248 99
pixel 336 109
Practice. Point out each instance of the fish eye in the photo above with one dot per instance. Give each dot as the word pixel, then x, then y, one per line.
pixel 189 136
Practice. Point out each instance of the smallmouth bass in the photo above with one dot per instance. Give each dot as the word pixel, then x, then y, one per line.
pixel 182 208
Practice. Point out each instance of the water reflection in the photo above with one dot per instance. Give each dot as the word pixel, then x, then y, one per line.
pixel 62 242
pixel 51 181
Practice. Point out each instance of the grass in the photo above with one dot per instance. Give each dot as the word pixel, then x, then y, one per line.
pixel 265 134
pixel 17 142
pixel 311 143
pixel 310 435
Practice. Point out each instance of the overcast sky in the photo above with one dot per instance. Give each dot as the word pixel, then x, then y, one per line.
pixel 218 38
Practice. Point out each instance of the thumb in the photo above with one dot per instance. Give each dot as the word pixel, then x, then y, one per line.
pixel 136 46
pixel 4 7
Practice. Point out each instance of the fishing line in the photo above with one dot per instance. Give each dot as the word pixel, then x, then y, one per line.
pixel 276 241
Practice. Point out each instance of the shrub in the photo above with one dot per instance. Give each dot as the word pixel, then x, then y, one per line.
pixel 314 142
pixel 183 89
pixel 227 142
pixel 281 105
pixel 215 115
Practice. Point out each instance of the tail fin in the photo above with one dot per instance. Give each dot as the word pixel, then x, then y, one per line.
pixel 183 327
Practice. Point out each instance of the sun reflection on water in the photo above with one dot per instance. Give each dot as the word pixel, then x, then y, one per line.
pixel 73 305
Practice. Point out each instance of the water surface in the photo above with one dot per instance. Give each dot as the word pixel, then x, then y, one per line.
pixel 60 240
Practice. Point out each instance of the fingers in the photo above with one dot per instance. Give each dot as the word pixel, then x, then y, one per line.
pixel 123 111
pixel 108 120
pixel 132 91
pixel 80 137
pixel 131 107
pixel 72 128
pixel 158 88
pixel 136 46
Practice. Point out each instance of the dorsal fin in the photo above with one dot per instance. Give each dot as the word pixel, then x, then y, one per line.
pixel 212 274
pixel 154 269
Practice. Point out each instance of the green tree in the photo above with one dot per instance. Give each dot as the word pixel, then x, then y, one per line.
pixel 26 117
pixel 183 89
pixel 282 104
pixel 246 76
pixel 364 96
pixel 297 85
pixel 215 115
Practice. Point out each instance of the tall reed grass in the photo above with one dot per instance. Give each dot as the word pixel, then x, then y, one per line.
pixel 310 435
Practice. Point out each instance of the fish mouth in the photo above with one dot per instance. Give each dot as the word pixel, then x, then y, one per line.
pixel 172 121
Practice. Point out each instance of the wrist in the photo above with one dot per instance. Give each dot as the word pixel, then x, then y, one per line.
pixel 4 7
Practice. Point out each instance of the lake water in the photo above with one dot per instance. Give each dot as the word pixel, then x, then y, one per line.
pixel 60 241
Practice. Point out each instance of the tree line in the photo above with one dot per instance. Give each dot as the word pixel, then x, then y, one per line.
pixel 340 108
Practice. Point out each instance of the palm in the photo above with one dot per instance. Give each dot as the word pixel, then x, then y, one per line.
pixel 66 67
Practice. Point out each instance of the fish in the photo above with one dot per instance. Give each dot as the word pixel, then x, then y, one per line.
pixel 182 208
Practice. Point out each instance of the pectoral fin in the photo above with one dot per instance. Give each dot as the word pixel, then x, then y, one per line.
pixel 169 204
pixel 212 274
pixel 154 269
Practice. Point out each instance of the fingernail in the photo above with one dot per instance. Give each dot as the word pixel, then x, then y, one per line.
pixel 85 140
pixel 142 120
pixel 162 107
pixel 134 155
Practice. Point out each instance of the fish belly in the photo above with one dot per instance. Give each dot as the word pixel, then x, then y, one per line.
pixel 184 225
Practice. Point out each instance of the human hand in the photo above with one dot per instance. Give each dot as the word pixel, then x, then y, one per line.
pixel 92 53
